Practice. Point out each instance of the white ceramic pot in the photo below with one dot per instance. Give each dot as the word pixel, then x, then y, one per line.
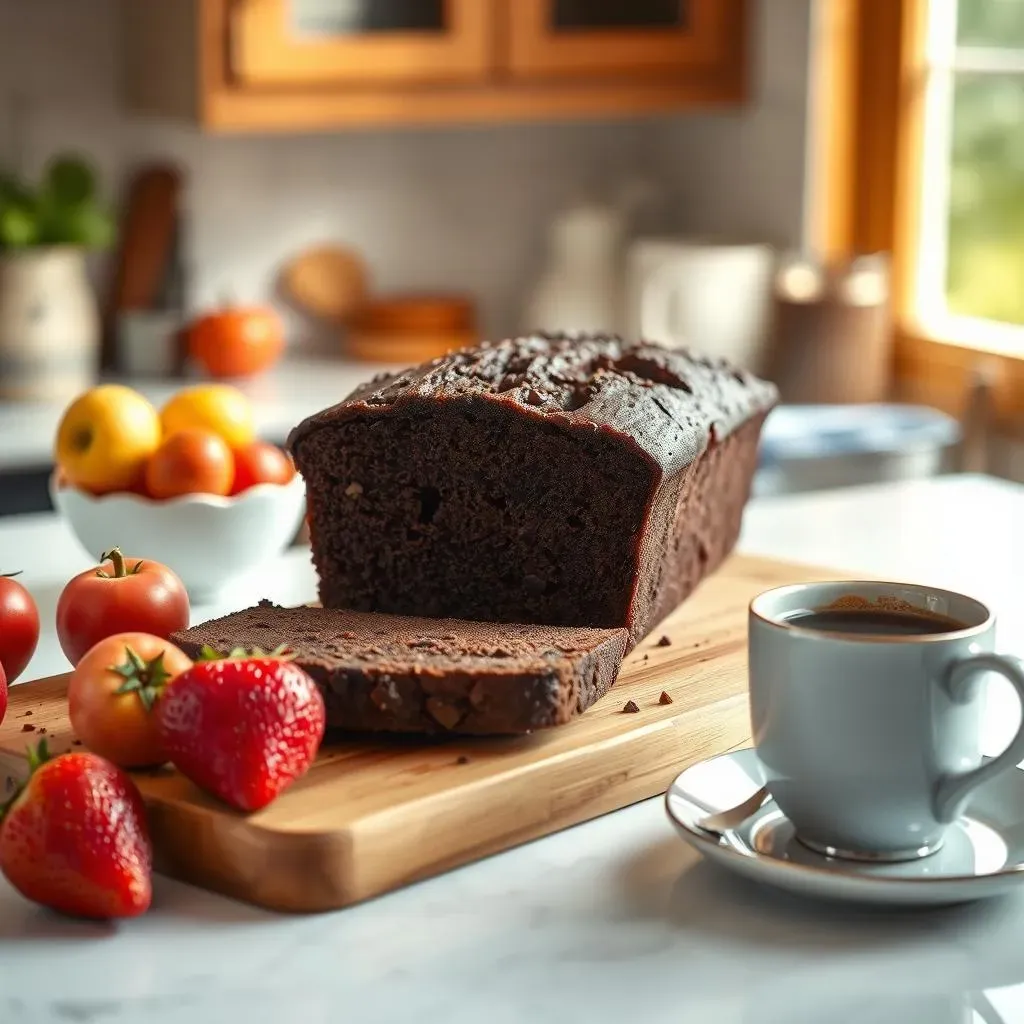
pixel 207 540
pixel 578 289
pixel 49 324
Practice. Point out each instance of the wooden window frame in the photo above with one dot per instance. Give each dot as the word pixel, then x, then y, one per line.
pixel 707 38
pixel 868 104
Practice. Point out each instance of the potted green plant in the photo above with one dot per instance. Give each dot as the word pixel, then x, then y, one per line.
pixel 49 321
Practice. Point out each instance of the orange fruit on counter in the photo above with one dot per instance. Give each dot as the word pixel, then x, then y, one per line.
pixel 105 438
pixel 261 463
pixel 238 341
pixel 190 462
pixel 218 408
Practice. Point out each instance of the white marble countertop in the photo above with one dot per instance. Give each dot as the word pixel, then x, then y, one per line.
pixel 610 921
pixel 281 398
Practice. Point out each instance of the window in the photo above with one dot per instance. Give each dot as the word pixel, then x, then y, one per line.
pixel 918 151
pixel 970 238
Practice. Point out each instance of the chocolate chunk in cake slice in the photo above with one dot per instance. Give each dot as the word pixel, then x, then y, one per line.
pixel 393 673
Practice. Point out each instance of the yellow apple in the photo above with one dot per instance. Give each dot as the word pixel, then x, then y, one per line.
pixel 105 437
pixel 219 408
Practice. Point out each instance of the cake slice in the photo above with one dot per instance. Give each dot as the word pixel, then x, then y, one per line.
pixel 391 673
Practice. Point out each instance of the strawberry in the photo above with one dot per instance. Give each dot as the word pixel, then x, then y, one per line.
pixel 243 727
pixel 74 837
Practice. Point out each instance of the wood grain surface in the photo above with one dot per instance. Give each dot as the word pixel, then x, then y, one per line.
pixel 375 814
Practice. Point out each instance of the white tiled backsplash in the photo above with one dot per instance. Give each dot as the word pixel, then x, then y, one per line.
pixel 440 209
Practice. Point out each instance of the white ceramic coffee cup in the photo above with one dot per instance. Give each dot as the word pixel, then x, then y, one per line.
pixel 871 743
pixel 710 295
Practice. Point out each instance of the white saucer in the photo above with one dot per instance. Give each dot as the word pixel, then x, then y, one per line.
pixel 983 854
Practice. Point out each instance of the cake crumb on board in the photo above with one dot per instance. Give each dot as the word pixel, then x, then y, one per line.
pixel 630 707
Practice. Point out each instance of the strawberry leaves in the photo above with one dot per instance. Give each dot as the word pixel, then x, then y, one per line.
pixel 36 756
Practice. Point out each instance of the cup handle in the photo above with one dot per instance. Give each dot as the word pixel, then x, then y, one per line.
pixel 960 682
pixel 655 306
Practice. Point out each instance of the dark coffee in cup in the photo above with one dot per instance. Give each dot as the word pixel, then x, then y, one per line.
pixel 879 621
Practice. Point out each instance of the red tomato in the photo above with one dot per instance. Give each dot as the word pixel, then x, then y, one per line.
pixel 19 627
pixel 190 462
pixel 260 463
pixel 122 595
pixel 237 342
pixel 112 690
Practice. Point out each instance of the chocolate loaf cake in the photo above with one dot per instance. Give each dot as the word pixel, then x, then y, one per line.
pixel 550 479
pixel 397 674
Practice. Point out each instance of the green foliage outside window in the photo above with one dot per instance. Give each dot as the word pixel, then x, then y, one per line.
pixel 985 275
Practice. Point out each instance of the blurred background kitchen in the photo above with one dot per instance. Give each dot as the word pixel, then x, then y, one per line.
pixel 383 180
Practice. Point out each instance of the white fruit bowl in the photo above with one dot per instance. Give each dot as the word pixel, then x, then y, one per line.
pixel 206 539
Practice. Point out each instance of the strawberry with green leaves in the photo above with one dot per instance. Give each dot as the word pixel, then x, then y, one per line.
pixel 75 838
pixel 243 727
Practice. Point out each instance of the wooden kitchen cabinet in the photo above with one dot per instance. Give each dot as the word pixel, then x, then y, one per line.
pixel 302 65
pixel 569 38
pixel 360 42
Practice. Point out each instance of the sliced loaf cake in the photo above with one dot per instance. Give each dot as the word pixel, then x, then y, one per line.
pixel 401 674
pixel 578 481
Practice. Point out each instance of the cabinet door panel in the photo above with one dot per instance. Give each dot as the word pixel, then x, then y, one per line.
pixel 287 42
pixel 365 17
pixel 581 15
pixel 566 38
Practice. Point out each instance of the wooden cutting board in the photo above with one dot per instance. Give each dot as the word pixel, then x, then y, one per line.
pixel 376 814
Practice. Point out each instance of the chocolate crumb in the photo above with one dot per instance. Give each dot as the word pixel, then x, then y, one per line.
pixel 630 707
pixel 27 727
pixel 665 641
pixel 76 743
pixel 665 698
pixel 646 657
pixel 462 759
pixel 27 714
pixel 42 730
